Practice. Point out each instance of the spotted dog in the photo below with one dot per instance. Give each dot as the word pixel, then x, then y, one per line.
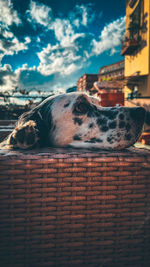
pixel 77 120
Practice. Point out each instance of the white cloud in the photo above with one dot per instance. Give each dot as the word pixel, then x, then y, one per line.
pixel 110 37
pixel 8 15
pixel 63 28
pixel 27 40
pixel 71 49
pixel 82 15
pixel 55 59
pixel 40 13
pixel 10 45
pixel 63 60
pixel 8 80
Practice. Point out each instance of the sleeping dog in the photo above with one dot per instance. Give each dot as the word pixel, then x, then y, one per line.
pixel 77 120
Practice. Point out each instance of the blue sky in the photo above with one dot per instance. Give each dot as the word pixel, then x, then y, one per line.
pixel 48 44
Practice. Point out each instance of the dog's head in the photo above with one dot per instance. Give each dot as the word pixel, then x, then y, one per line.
pixel 78 120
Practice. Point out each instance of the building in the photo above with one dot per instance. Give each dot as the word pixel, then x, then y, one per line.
pixel 136 47
pixel 113 71
pixel 85 82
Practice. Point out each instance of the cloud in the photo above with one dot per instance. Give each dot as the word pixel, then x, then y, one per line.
pixel 72 46
pixel 63 30
pixel 110 37
pixel 5 71
pixel 8 79
pixel 10 45
pixel 40 13
pixel 82 15
pixel 59 59
pixel 8 15
pixel 63 59
pixel 66 57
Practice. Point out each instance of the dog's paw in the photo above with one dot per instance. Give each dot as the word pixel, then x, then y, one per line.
pixel 24 136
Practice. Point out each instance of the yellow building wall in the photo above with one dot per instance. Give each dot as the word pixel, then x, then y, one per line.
pixel 140 61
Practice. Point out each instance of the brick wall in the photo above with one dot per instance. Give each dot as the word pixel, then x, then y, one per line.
pixel 75 208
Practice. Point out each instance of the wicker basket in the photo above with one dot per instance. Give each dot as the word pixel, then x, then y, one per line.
pixel 75 208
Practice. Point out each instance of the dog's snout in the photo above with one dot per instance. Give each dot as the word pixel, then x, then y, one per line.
pixel 138 113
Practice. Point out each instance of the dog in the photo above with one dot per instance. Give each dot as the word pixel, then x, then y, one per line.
pixel 77 120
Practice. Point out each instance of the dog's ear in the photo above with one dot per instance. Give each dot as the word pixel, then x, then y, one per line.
pixel 24 136
pixel 33 127
pixel 41 126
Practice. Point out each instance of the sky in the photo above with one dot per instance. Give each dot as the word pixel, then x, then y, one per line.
pixel 47 45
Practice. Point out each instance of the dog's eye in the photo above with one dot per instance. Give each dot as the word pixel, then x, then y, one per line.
pixel 81 108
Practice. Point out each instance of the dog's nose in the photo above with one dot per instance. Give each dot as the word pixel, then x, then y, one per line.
pixel 138 113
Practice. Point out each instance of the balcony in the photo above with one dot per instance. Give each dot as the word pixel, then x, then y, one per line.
pixel 132 3
pixel 128 47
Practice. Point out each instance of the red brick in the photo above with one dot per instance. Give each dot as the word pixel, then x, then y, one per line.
pixel 120 163
pixel 108 178
pixel 44 179
pixel 62 184
pixel 44 170
pixel 72 170
pixel 45 199
pixel 10 181
pixel 103 197
pixel 11 162
pixel 61 165
pixel 89 174
pixel 42 218
pixel 88 193
pixel 45 161
pixel 119 173
pixel 134 159
pixel 89 164
pixel 74 198
pixel 135 196
pixel 131 186
pixel 31 166
pixel 72 160
pixel 103 169
pixel 60 174
pixel 104 188
pixel 75 207
pixel 105 159
pixel 75 179
pixel 13 172
pixel 74 188
pixel 44 190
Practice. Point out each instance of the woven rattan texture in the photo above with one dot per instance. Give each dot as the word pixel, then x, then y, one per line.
pixel 75 208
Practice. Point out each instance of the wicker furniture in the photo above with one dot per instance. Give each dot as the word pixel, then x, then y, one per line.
pixel 75 208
